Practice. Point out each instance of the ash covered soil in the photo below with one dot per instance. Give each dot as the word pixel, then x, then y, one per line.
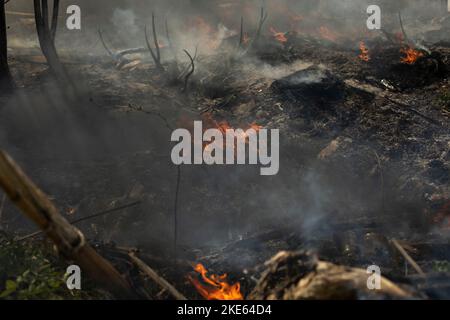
pixel 365 155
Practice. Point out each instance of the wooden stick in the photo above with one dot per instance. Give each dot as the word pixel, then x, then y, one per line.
pixel 69 241
pixel 408 257
pixel 155 277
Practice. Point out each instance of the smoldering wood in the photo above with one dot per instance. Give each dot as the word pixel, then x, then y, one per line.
pixel 69 241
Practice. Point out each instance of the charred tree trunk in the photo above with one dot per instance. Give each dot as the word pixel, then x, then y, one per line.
pixel 6 83
pixel 46 35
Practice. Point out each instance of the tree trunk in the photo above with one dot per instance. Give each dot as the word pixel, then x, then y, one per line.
pixel 6 83
pixel 46 38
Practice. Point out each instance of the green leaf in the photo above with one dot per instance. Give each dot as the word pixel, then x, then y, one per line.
pixel 10 287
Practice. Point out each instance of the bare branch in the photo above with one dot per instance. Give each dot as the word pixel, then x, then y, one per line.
pixel 156 56
pixel 155 277
pixel 186 78
pixel 405 36
pixel 100 33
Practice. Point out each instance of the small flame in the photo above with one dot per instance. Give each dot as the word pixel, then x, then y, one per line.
pixel 216 287
pixel 223 126
pixel 279 36
pixel 327 34
pixel 364 56
pixel 411 55
pixel 246 38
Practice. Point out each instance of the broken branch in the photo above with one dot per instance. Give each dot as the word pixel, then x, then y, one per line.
pixel 407 257
pixel 155 277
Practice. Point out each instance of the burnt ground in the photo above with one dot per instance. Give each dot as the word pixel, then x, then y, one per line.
pixel 365 157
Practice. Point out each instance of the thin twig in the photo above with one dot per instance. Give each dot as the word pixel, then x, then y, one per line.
pixel 186 78
pixel 408 108
pixel 95 215
pixel 104 44
pixel 380 167
pixel 156 55
pixel 405 36
pixel 155 277
pixel 241 35
pixel 408 257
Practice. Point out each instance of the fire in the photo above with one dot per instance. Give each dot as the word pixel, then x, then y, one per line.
pixel 279 36
pixel 327 34
pixel 364 56
pixel 246 39
pixel 223 126
pixel 216 287
pixel 411 55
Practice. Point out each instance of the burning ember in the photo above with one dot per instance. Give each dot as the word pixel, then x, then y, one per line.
pixel 223 125
pixel 279 36
pixel 411 55
pixel 216 287
pixel 364 56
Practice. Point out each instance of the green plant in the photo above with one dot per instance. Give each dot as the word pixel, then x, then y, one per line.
pixel 29 270
pixel 441 266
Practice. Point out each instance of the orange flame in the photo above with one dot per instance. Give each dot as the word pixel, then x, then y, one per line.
pixel 216 287
pixel 327 34
pixel 223 126
pixel 364 56
pixel 279 36
pixel 411 55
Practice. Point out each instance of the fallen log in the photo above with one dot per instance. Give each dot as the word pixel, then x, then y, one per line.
pixel 155 277
pixel 69 241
